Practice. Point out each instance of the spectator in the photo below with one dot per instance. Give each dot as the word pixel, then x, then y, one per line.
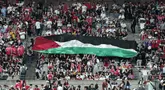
pixel 38 27
pixel 104 85
pixel 60 87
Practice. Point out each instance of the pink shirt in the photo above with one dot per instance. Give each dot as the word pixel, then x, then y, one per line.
pixel 20 50
pixel 8 50
pixel 79 67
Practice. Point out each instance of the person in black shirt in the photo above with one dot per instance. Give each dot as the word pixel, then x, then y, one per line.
pixel 133 25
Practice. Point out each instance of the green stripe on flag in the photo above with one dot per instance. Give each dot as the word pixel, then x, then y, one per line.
pixel 116 52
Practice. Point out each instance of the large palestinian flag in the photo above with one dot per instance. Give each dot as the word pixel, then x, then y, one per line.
pixel 68 44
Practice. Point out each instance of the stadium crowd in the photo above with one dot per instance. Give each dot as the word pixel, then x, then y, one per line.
pixel 12 37
pixel 82 67
pixel 88 19
pixel 58 85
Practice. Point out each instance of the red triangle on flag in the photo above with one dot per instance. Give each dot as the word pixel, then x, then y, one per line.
pixel 42 43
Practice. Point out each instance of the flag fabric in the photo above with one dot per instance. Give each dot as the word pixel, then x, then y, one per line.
pixel 68 44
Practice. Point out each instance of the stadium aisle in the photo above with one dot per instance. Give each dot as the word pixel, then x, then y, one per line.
pixel 31 64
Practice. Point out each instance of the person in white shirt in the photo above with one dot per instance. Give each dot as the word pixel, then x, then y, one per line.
pixel 22 35
pixel 59 23
pixel 103 15
pixel 58 32
pixel 38 27
pixel 112 30
pixel 145 73
pixel 67 77
pixel 74 4
pixel 98 6
pixel 48 33
pixel 82 76
pixel 78 6
pixel 57 12
pixel 49 24
pixel 103 8
pixel 5 26
pixel 69 25
pixel 121 16
pixel 102 77
pixel 123 25
pixel 9 9
pixel 84 8
pixel 122 10
pixel 60 87
pixel 142 22
pixel 88 63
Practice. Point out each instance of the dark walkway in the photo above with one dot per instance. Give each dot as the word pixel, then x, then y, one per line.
pixel 31 63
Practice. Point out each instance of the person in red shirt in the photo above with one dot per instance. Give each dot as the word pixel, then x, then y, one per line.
pixel 14 51
pixel 89 20
pixel 89 30
pixel 69 29
pixel 18 85
pixel 74 18
pixel 64 30
pixel 104 85
pixel 20 50
pixel 89 6
pixel 154 44
pixel 79 67
pixel 106 63
pixel 157 43
pixel 8 50
pixel 50 76
pixel 65 8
